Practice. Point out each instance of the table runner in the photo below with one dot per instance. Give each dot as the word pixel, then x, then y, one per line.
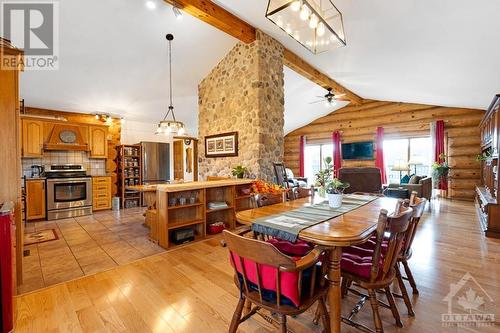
pixel 287 225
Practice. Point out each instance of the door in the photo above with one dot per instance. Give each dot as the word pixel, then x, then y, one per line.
pixel 98 142
pixel 35 199
pixel 32 138
pixel 178 159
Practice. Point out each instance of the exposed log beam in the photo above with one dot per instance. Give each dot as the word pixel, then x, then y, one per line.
pixel 218 17
pixel 302 67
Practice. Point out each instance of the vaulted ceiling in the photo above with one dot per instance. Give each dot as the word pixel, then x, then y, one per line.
pixel 113 57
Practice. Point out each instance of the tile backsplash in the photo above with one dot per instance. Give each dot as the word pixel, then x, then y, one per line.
pixel 95 167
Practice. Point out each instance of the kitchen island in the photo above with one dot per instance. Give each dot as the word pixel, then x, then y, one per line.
pixel 188 207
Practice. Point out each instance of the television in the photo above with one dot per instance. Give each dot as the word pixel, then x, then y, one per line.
pixel 357 151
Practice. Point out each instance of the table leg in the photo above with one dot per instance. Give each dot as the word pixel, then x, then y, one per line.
pixel 333 276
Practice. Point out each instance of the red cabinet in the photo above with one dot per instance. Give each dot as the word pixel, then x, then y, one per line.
pixel 6 278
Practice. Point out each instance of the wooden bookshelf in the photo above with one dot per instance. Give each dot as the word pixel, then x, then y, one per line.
pixel 197 215
pixel 129 172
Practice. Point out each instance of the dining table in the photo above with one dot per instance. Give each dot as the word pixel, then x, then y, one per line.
pixel 351 228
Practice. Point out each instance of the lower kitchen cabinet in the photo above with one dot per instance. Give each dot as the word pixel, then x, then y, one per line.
pixel 101 193
pixel 35 199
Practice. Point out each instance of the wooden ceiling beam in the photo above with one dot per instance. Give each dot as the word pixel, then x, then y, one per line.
pixel 218 17
pixel 305 69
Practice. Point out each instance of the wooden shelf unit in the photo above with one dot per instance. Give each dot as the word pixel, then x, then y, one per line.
pixel 128 163
pixel 487 200
pixel 197 216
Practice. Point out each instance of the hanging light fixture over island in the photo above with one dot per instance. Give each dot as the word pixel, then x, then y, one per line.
pixel 316 24
pixel 171 125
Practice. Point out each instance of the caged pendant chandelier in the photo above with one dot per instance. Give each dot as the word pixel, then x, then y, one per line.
pixel 170 126
pixel 315 24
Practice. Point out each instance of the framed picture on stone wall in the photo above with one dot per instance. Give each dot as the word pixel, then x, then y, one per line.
pixel 221 145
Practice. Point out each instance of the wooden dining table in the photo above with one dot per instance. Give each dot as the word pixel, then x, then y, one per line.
pixel 351 228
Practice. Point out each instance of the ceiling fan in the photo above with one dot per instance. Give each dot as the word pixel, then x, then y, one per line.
pixel 329 98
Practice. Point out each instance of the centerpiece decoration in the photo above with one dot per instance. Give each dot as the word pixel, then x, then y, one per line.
pixel 261 187
pixel 335 189
pixel 440 172
pixel 324 176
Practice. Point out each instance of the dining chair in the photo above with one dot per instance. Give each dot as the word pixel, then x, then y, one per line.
pixel 374 269
pixel 271 280
pixel 418 206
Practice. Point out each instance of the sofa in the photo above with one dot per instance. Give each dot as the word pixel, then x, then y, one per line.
pixel 361 179
pixel 419 184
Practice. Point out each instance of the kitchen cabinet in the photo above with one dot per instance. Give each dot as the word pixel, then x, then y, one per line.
pixel 101 193
pixel 35 199
pixel 32 145
pixel 98 141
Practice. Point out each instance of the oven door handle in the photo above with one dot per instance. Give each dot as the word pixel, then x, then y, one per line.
pixel 69 180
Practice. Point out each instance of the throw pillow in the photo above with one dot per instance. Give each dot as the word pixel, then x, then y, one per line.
pixel 405 179
pixel 414 179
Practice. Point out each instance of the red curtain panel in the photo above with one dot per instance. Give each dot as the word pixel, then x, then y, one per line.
pixel 301 156
pixel 379 155
pixel 439 149
pixel 337 160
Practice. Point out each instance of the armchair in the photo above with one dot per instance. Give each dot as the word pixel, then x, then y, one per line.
pixel 421 185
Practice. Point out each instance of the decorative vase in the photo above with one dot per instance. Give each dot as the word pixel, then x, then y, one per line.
pixel 334 200
pixel 322 191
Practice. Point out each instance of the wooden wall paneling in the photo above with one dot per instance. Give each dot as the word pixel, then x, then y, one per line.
pixel 400 120
pixel 178 159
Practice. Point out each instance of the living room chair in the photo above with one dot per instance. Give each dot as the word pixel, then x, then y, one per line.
pixel 421 185
pixel 271 280
pixel 376 269
pixel 285 177
pixel 363 179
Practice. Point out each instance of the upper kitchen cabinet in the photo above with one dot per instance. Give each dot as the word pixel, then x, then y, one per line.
pixel 32 138
pixel 98 141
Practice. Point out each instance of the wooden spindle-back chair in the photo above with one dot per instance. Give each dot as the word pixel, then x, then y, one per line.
pixel 390 234
pixel 246 253
pixel 418 206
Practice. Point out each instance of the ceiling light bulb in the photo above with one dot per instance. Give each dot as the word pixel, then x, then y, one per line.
pixel 96 116
pixel 182 131
pixel 295 6
pixel 321 29
pixel 279 22
pixel 288 29
pixel 304 13
pixel 150 4
pixel 177 13
pixel 327 104
pixel 313 21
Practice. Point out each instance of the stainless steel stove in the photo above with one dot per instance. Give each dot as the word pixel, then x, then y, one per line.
pixel 69 191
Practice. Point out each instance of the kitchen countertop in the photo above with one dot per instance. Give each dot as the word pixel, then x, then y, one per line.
pixel 202 184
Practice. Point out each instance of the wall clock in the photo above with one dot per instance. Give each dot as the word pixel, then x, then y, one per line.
pixel 67 136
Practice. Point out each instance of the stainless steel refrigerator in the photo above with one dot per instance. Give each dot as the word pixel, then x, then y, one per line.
pixel 155 162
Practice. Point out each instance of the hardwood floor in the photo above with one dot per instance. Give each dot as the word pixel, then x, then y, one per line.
pixel 190 289
pixel 85 245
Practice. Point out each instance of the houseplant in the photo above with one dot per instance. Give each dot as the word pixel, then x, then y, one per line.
pixel 440 171
pixel 335 189
pixel 239 171
pixel 324 176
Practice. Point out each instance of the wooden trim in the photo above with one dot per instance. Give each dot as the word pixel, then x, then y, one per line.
pixel 216 16
pixel 305 69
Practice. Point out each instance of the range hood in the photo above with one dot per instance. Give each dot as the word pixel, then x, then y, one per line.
pixel 67 137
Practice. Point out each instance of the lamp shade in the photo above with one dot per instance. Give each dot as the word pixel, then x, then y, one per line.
pixel 400 166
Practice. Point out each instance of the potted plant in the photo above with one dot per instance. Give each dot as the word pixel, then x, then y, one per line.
pixel 324 176
pixel 440 172
pixel 239 171
pixel 335 189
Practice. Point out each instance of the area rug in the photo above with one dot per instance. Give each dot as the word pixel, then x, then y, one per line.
pixel 40 236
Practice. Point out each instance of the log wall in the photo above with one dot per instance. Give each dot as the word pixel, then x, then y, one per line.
pixel 400 120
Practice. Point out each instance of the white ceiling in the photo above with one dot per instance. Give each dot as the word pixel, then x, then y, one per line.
pixel 113 57
pixel 424 51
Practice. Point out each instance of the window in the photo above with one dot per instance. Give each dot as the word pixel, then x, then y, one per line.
pixel 402 151
pixel 314 156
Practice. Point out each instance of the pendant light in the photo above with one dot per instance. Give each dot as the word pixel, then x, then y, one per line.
pixel 170 125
